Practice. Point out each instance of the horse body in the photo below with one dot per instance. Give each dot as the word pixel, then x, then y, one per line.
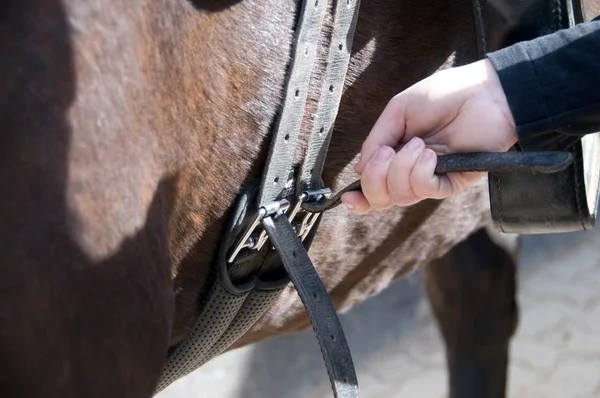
pixel 129 131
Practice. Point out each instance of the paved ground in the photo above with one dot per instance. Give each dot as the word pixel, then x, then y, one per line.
pixel 398 352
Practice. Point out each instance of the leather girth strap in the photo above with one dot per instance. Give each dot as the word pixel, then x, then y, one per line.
pixel 528 202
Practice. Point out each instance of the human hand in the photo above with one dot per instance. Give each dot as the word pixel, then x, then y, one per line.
pixel 457 110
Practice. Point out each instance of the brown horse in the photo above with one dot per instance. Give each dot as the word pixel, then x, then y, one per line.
pixel 128 130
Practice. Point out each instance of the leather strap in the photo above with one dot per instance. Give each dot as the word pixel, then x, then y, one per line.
pixel 544 162
pixel 319 307
pixel 346 15
pixel 287 128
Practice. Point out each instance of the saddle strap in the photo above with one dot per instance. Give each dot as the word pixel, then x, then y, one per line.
pixel 320 309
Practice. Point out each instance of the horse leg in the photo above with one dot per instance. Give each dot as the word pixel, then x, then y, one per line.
pixel 472 292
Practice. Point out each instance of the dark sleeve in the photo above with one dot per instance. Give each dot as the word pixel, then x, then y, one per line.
pixel 552 84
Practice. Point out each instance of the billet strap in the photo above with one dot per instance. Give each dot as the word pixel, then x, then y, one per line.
pixel 320 310
pixel 275 184
pixel 285 135
pixel 345 18
pixel 526 202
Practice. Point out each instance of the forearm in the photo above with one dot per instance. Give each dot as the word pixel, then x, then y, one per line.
pixel 552 85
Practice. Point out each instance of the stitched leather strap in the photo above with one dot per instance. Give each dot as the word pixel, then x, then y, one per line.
pixel 319 307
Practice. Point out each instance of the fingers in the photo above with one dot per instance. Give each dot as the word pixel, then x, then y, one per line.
pixel 387 131
pixel 374 193
pixel 403 179
pixel 356 202
pixel 399 180
pixel 427 184
pixel 374 178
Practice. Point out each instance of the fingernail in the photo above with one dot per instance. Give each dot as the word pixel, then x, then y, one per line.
pixel 349 206
pixel 413 144
pixel 384 154
pixel 427 157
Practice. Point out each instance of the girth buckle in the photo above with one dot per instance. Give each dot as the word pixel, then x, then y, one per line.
pixel 254 240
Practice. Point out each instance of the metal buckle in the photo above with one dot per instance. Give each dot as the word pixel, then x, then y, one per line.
pixel 255 241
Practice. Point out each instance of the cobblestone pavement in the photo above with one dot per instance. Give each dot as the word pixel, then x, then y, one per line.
pixel 397 348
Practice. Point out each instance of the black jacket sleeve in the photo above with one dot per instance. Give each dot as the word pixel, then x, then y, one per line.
pixel 552 84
